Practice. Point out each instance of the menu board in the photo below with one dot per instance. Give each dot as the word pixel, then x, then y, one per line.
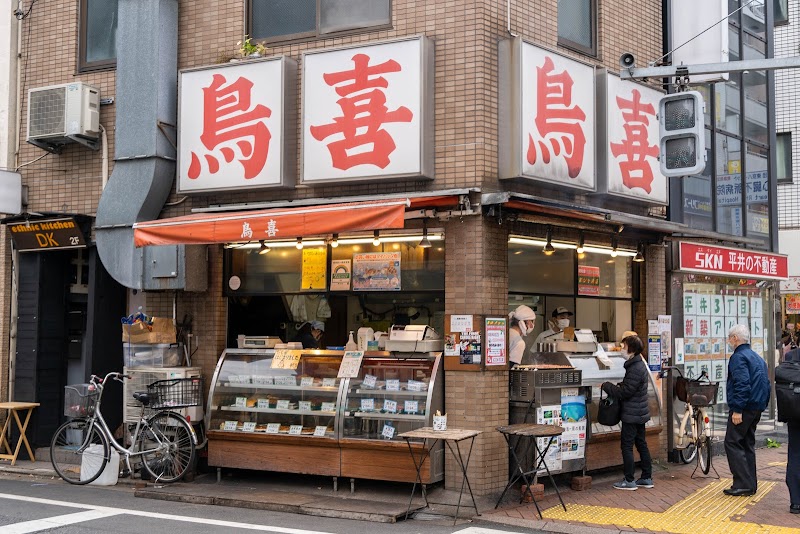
pixel 315 261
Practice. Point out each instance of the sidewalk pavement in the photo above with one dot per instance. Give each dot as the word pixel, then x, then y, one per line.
pixel 679 504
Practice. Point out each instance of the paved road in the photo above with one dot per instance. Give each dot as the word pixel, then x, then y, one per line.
pixel 36 505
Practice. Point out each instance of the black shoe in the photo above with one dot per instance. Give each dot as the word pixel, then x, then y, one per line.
pixel 794 509
pixel 741 492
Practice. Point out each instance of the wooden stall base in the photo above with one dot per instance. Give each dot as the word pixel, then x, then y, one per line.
pixel 286 454
pixel 383 461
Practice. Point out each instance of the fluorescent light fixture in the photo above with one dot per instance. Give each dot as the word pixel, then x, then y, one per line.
pixel 532 242
pixel 276 244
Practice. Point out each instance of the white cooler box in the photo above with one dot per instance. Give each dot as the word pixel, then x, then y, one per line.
pixel 91 460
pixel 144 376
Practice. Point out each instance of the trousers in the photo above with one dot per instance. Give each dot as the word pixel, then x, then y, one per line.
pixel 740 447
pixel 793 465
pixel 633 433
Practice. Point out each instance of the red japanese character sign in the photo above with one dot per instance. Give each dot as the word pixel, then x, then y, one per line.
pixel 362 109
pixel 231 126
pixel 632 141
pixel 557 118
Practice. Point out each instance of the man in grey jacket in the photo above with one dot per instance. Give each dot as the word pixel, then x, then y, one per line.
pixel 748 392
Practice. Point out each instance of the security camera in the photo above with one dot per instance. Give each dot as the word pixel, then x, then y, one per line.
pixel 627 60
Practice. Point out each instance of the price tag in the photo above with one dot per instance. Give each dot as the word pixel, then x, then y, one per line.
pixel 369 381
pixel 295 430
pixel 273 428
pixel 249 427
pixel 367 405
pixel 263 403
pixel 328 406
pixel 241 402
pixel 320 430
pixel 230 425
pixel 390 406
pixel 233 379
pixel 329 382
pixel 411 406
pixel 262 380
pixel 388 431
pixel 305 405
pixel 283 404
pixel 351 364
pixel 414 385
pixel 392 385
pixel 286 359
pixel 307 381
pixel 285 381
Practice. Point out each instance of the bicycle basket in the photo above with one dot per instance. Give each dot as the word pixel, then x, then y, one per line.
pixel 176 393
pixel 702 393
pixel 80 400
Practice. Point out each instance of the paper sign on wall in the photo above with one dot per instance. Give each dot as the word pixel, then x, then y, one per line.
pixel 341 271
pixel 285 359
pixel 315 261
pixel 496 341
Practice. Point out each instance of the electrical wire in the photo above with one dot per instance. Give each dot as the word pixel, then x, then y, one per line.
pixel 18 13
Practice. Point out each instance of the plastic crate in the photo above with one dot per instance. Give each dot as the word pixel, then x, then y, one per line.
pixel 176 393
pixel 79 400
pixel 155 355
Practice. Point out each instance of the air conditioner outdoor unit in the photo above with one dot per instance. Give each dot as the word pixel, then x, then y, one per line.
pixel 62 114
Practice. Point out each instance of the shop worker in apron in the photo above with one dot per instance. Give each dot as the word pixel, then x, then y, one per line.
pixel 522 321
pixel 632 393
pixel 311 333
pixel 748 390
pixel 557 324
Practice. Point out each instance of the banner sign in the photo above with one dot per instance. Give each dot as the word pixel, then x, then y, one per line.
pixel 710 259
pixel 48 234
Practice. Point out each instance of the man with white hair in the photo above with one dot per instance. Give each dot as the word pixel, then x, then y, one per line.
pixel 748 392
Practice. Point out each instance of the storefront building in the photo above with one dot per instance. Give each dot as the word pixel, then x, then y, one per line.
pixel 392 166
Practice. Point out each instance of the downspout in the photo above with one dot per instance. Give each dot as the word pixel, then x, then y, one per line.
pixel 144 159
pixel 104 145
pixel 508 19
pixel 18 111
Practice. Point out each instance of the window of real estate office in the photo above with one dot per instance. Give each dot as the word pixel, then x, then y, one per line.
pixel 292 19
pixel 97 35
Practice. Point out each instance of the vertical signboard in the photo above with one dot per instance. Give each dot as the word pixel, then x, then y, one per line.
pixel 368 112
pixel 547 116
pixel 233 132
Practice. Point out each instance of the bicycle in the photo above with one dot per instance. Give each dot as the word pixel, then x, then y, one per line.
pixel 693 440
pixel 82 447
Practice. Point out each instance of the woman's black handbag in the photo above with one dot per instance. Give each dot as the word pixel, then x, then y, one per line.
pixel 787 391
pixel 608 411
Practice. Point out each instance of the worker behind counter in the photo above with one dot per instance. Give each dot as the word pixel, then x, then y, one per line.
pixel 557 324
pixel 310 334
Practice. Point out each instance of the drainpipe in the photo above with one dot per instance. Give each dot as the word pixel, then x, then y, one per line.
pixel 104 143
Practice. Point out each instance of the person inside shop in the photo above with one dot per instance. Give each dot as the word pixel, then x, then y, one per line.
pixel 311 334
pixel 748 390
pixel 522 321
pixel 556 324
pixel 635 412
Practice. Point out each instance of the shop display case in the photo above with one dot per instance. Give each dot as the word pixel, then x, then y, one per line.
pixel 306 420
pixel 294 411
pixel 391 395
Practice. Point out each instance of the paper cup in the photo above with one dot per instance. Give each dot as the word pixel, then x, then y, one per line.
pixel 439 423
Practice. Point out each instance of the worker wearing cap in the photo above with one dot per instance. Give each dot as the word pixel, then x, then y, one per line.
pixel 557 324
pixel 311 333
pixel 522 323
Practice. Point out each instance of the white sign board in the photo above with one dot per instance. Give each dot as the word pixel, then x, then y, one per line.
pixel 10 192
pixel 697 36
pixel 631 141
pixel 548 119
pixel 231 126
pixel 367 112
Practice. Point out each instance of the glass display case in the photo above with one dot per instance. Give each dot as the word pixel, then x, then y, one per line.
pixel 249 396
pixel 306 420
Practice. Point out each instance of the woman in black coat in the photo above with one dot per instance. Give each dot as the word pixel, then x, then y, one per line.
pixel 632 393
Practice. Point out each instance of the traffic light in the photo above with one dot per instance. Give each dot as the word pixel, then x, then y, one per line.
pixel 682 140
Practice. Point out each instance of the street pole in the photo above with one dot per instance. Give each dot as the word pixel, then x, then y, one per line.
pixel 634 73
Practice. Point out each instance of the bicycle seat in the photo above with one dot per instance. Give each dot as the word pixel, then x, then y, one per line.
pixel 144 398
pixel 699 400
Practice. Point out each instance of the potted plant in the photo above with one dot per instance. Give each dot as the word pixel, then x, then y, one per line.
pixel 248 49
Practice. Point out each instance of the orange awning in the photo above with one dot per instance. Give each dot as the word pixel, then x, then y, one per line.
pixel 271 224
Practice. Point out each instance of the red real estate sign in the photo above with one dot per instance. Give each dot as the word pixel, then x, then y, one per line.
pixel 710 259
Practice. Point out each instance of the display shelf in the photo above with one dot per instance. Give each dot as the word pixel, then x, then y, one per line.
pixel 275 410
pixel 240 387
pixel 401 393
pixel 389 416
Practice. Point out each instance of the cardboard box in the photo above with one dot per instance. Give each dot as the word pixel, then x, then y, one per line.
pixel 162 331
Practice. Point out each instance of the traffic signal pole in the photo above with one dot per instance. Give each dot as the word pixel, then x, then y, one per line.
pixel 634 73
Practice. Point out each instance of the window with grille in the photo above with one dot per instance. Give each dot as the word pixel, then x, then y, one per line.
pixel 291 19
pixel 577 25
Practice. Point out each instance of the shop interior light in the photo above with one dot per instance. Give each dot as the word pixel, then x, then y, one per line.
pixel 425 242
pixel 299 243
pixel 264 248
pixel 548 248
pixel 639 258
pixel 614 247
pixel 335 241
pixel 376 240
pixel 580 249
pixel 539 243
pixel 276 244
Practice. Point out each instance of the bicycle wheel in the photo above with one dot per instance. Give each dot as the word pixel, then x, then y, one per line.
pixel 169 440
pixel 79 451
pixel 703 446
pixel 689 453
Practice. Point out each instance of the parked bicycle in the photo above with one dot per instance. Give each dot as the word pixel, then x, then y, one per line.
pixel 82 447
pixel 693 436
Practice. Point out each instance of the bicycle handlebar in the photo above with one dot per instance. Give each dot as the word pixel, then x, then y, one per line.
pixel 101 380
